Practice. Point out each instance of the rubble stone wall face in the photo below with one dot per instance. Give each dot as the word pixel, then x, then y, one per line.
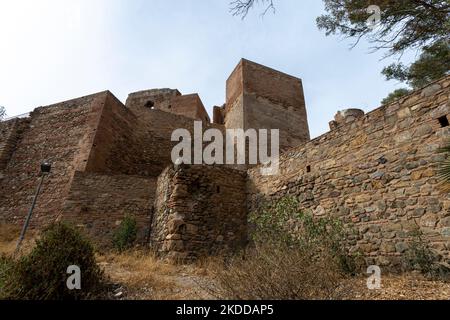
pixel 377 173
pixel 97 203
pixel 123 144
pixel 199 210
pixel 259 97
pixel 154 98
pixel 61 134
pixel 190 106
pixel 135 144
pixel 10 134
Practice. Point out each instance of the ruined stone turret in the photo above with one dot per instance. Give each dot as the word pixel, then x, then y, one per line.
pixel 346 116
pixel 168 100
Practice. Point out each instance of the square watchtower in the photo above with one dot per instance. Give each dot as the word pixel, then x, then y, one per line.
pixel 259 97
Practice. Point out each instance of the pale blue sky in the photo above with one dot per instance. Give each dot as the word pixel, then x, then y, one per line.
pixel 54 50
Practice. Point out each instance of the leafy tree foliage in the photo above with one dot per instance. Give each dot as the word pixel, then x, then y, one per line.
pixel 397 94
pixel 434 63
pixel 404 24
pixel 412 24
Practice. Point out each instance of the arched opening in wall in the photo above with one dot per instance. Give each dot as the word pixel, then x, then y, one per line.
pixel 150 104
pixel 443 121
pixel 308 169
pixel 170 106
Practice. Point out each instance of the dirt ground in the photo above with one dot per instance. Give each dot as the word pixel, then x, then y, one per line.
pixel 140 276
pixel 402 287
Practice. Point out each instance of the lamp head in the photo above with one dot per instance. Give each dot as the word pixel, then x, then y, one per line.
pixel 46 167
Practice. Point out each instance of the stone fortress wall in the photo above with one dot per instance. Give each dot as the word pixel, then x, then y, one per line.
pixel 61 133
pixel 375 170
pixel 199 210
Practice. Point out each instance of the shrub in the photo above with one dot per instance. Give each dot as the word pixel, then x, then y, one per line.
pixel 277 272
pixel 293 255
pixel 125 236
pixel 282 222
pixel 420 257
pixel 42 274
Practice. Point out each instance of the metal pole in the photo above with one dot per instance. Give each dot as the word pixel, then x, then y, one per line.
pixel 30 213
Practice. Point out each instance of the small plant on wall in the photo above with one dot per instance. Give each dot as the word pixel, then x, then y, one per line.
pixel 443 172
pixel 125 236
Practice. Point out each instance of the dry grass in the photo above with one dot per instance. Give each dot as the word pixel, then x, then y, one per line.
pixel 9 234
pixel 7 248
pixel 143 276
pixel 407 286
pixel 137 273
pixel 269 272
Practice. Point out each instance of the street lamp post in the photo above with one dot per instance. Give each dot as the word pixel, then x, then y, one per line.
pixel 45 170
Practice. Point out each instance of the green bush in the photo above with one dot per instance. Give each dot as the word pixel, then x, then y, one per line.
pixel 420 257
pixel 281 222
pixel 42 274
pixel 125 236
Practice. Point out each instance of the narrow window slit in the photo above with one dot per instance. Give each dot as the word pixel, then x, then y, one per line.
pixel 444 121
